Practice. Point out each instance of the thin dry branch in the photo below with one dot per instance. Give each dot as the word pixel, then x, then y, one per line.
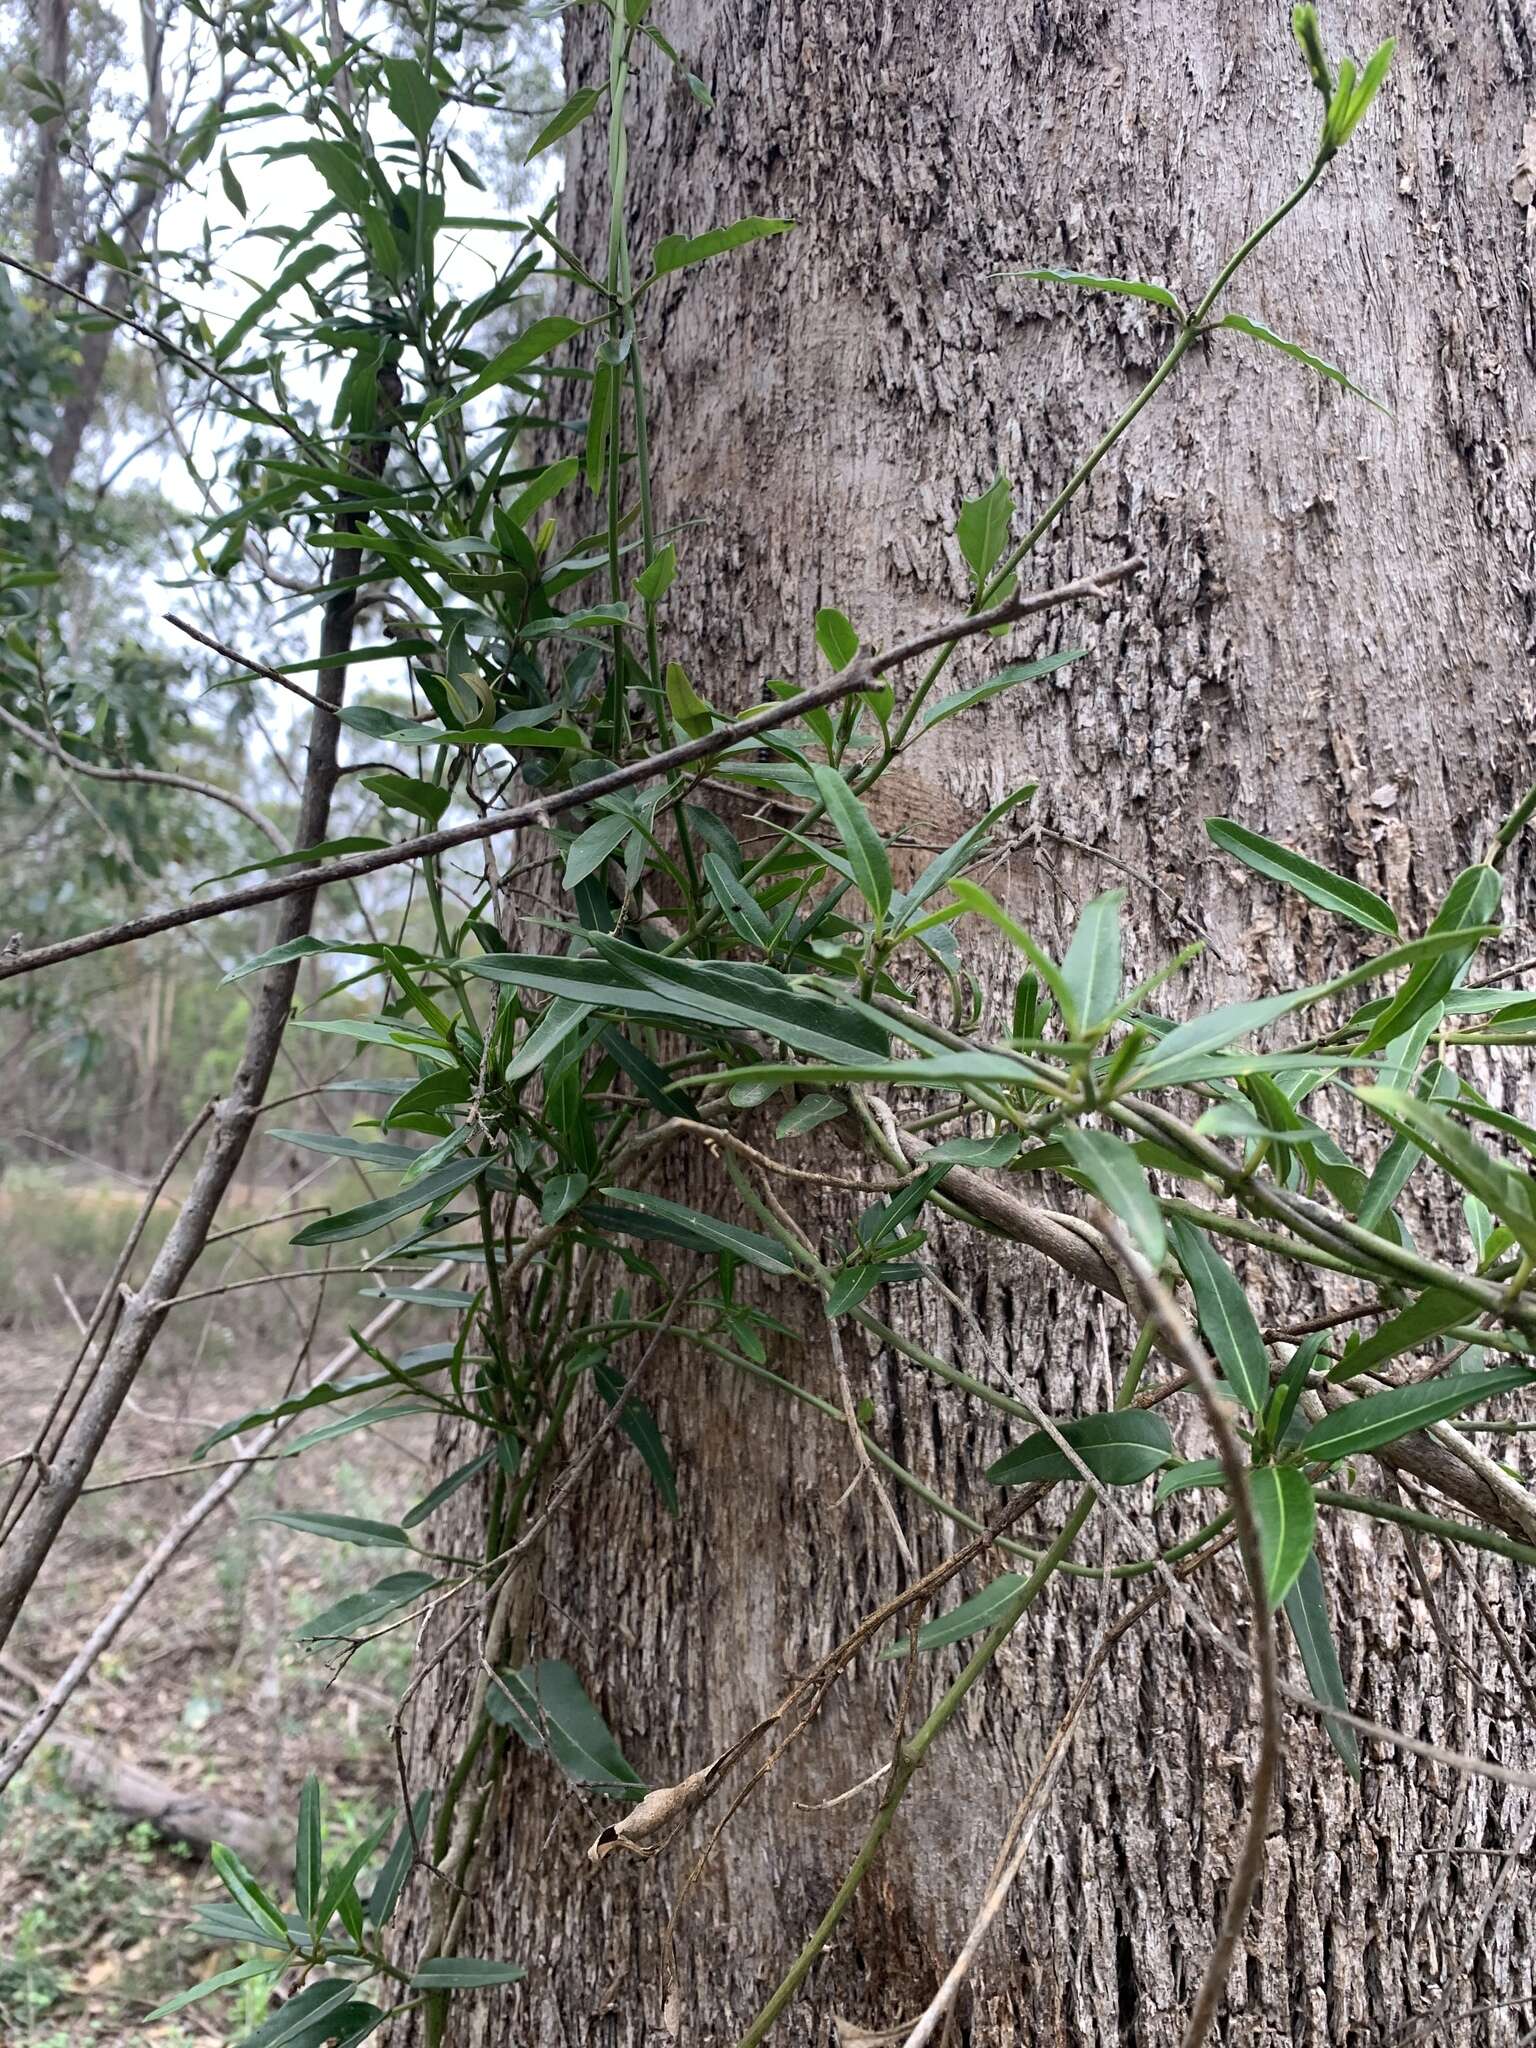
pixel 429 845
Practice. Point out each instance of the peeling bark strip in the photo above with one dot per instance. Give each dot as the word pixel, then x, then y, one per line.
pixel 1338 609
pixel 57 1485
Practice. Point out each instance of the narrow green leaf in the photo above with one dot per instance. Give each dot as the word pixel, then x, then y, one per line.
pixel 1285 1515
pixel 340 1528
pixel 676 252
pixel 1118 1178
pixel 648 1215
pixel 1129 287
pixel 396 1867
pixel 1378 1419
pixel 1331 371
pixel 1092 966
pixel 307 1850
pixel 1191 1476
pixel 1226 1318
pixel 546 1705
pixel 1005 679
pixel 571 115
pixel 1436 1309
pixel 1510 1194
pixel 1329 891
pixel 689 713
pixel 372 1216
pixel 1306 1609
pixel 530 347
pixel 464 1973
pixel 1119 1448
pixel 640 1426
pixel 968 1619
pixel 977 899
pixel 246 1892
pixel 808 1114
pixel 590 849
pixel 262 1966
pixel 866 849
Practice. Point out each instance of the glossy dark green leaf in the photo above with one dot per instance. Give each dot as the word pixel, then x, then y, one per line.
pixel 1285 1516
pixel 1377 1419
pixel 411 793
pixel 640 1214
pixel 1191 1476
pixel 1227 1321
pixel 1119 1448
pixel 980 1612
pixel 640 1426
pixel 546 1705
pixel 372 1216
pixel 1306 1609
pixel 723 994
pixel 1434 1312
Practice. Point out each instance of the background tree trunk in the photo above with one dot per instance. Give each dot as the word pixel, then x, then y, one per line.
pixel 1331 643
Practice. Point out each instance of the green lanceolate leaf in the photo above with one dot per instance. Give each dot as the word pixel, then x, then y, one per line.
pixel 355 1612
pixel 593 848
pixel 982 529
pixel 1306 1609
pixel 340 1528
pixel 307 1850
pixel 1227 1321
pixel 1285 1516
pixel 968 1619
pixel 1329 891
pixel 634 1213
pixel 1128 287
pixel 262 1966
pixel 1436 1309
pixel 1005 679
pixel 546 1705
pixel 1377 1419
pixel 531 346
pixel 464 1973
pixel 414 100
pixel 1119 1179
pixel 688 711
pixel 571 115
pixel 723 995
pixel 1190 1477
pixel 1091 969
pixel 1118 1448
pixel 654 582
pixel 676 252
pixel 1297 353
pixel 866 850
pixel 247 1893
pixel 372 1216
pixel 640 1426
pixel 396 1867
pixel 410 793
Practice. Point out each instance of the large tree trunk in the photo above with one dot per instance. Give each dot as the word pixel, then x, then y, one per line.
pixel 1331 642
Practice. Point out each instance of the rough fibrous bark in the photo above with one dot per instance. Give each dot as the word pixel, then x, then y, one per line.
pixel 1332 644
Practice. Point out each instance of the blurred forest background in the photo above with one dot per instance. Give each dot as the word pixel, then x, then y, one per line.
pixel 108 473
